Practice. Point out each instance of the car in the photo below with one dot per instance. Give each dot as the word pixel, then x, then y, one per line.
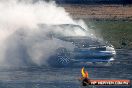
pixel 86 48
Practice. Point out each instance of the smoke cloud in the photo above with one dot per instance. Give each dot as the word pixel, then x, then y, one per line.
pixel 22 41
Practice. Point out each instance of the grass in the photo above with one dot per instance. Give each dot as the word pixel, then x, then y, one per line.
pixel 118 33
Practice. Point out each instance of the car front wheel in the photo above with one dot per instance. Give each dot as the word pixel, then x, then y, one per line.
pixel 61 58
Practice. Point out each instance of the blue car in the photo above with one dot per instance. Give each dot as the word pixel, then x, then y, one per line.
pixel 85 48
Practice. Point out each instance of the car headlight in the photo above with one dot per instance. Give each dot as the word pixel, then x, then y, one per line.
pixel 111 49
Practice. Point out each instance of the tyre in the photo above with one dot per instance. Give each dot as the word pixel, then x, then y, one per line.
pixel 61 58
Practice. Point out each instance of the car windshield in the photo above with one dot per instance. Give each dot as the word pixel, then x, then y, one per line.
pixel 72 33
pixel 76 34
pixel 66 30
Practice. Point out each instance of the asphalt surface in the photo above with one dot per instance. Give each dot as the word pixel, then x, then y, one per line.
pixel 68 77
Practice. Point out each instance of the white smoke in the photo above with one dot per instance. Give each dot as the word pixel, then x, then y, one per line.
pixel 21 39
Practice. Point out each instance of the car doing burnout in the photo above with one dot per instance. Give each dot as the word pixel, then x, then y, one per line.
pixel 85 48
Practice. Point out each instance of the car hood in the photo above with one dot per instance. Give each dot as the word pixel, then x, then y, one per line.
pixel 84 42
